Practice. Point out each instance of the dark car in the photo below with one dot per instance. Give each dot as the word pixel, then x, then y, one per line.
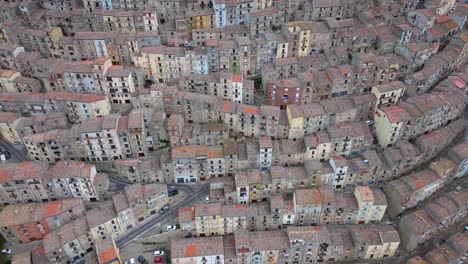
pixel 142 260
pixel 7 155
pixel 164 209
pixel 173 193
pixel 5 152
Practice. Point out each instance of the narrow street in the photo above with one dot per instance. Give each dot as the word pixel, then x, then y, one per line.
pixel 16 154
pixel 170 214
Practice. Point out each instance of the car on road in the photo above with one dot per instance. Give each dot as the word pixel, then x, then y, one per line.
pixel 6 251
pixel 159 253
pixel 142 260
pixel 159 260
pixel 6 154
pixel 466 227
pixel 170 228
pixel 207 199
pixel 173 193
pixel 164 209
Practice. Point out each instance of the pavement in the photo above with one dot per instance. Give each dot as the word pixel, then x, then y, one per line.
pixel 171 214
pixel 402 255
pixel 190 189
pixel 17 152
pixel 153 236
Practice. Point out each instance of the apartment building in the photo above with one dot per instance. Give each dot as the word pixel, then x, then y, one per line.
pixel 69 242
pixel 261 21
pixel 195 163
pixel 459 155
pixel 388 94
pixel 453 84
pixel 438 66
pixel 441 7
pixel 40 40
pixel 96 139
pixel 111 34
pixel 14 130
pixel 417 53
pixel 284 92
pixel 306 37
pixel 146 200
pixel 39 123
pixel 310 207
pixel 451 249
pixel 367 168
pixel 12 81
pixel 103 221
pixel 96 77
pixel 199 19
pixel 372 205
pixel 37 219
pixel 398 122
pixel 323 206
pixel 154 123
pixel 350 139
pixel 146 170
pixel 135 204
pixel 76 106
pixel 406 192
pixel 135 138
pixel 32 181
pixel 43 146
pixel 24 103
pixel 389 122
pixel 300 244
pixel 229 86
pixel 417 227
pixel 320 10
pixel 7 127
pixel 6 80
pixel 247 119
pixel 197 250
pixel 107 251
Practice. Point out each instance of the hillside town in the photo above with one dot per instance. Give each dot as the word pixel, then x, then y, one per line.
pixel 233 131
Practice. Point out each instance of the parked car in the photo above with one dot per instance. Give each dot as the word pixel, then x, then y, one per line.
pixel 132 261
pixel 159 253
pixel 173 193
pixel 207 199
pixel 170 228
pixel 466 227
pixel 6 154
pixel 6 251
pixel 164 209
pixel 142 260
pixel 158 260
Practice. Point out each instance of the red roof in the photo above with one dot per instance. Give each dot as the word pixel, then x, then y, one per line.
pixel 4 175
pixel 237 77
pixel 191 251
pixel 226 106
pixel 107 255
pixel 52 208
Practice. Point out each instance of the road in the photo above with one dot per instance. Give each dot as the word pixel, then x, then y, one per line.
pixel 189 189
pixel 16 155
pixel 171 213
